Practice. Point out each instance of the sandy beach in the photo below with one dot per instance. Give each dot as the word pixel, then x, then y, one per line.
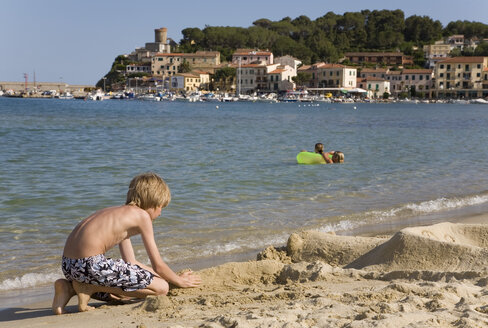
pixel 429 276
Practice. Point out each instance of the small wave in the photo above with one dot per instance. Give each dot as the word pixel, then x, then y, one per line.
pixel 442 204
pixel 339 226
pixel 28 280
pixel 242 245
pixel 406 211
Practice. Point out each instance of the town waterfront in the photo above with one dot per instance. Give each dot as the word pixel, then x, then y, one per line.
pixel 236 187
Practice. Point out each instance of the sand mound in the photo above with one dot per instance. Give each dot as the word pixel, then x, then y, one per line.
pixel 443 246
pixel 334 250
pixel 242 273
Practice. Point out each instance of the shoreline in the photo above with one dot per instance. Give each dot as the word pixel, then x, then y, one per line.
pixel 37 308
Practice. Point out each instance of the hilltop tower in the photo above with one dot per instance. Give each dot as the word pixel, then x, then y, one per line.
pixel 160 43
pixel 161 35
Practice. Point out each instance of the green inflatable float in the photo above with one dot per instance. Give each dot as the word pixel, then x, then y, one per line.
pixel 306 157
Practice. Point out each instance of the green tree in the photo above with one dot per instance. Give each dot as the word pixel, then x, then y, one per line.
pixel 302 78
pixel 263 22
pixel 481 49
pixel 385 29
pixel 322 47
pixel 422 29
pixel 184 67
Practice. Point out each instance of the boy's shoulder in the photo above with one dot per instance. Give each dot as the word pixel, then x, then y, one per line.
pixel 131 211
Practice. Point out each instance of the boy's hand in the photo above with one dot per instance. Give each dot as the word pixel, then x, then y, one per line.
pixel 189 279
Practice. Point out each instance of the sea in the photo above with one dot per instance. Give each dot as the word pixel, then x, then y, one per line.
pixel 231 167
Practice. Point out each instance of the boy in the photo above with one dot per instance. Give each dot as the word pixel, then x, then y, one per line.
pixel 88 271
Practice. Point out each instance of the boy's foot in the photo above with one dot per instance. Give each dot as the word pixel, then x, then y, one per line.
pixel 63 291
pixel 84 292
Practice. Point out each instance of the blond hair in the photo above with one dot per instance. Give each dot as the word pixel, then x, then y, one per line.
pixel 338 157
pixel 148 190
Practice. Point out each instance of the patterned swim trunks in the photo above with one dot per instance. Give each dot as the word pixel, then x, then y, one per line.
pixel 99 270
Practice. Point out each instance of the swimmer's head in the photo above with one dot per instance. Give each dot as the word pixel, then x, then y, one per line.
pixel 338 157
pixel 319 148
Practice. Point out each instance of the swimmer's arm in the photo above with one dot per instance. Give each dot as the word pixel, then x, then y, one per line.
pixel 326 157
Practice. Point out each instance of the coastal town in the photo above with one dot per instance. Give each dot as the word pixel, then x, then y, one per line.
pixel 154 72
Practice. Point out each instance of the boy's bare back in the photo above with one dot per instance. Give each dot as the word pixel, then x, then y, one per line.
pixel 104 229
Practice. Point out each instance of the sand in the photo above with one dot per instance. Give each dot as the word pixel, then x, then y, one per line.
pixel 430 276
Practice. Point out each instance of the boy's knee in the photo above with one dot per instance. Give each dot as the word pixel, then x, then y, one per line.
pixel 162 288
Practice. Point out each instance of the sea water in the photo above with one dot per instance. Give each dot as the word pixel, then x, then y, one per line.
pixel 231 167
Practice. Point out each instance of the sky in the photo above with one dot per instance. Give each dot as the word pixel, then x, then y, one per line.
pixel 75 42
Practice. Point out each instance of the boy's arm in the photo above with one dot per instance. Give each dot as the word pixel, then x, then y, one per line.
pixel 128 255
pixel 160 267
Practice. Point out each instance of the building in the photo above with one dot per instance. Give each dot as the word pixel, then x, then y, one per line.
pixel 250 56
pixel 251 77
pixel 289 61
pixel 415 82
pixel 379 58
pixel 186 81
pixel 374 72
pixel 265 78
pixel 168 64
pixel 133 68
pixel 376 86
pixel 456 41
pixel 281 79
pixel 461 77
pixel 160 45
pixel 436 52
pixel 324 75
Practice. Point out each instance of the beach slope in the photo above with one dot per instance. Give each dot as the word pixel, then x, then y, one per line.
pixel 431 276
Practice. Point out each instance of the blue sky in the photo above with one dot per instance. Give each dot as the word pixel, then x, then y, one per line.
pixel 77 41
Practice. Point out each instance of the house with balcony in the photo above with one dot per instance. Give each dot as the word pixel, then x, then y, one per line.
pixel 250 56
pixel 373 72
pixel 164 65
pixel 485 79
pixel 375 86
pixel 379 58
pixel 264 78
pixel 415 82
pixel 436 52
pixel 281 79
pixel 138 68
pixel 290 61
pixel 461 77
pixel 330 76
pixel 189 81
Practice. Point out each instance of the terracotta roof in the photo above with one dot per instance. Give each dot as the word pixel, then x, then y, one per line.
pixel 394 73
pixel 165 54
pixel 416 71
pixel 374 70
pixel 248 52
pixel 252 65
pixel 374 54
pixel 468 59
pixel 207 53
pixel 304 67
pixel 187 75
pixel 370 78
pixel 277 71
pixel 180 54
